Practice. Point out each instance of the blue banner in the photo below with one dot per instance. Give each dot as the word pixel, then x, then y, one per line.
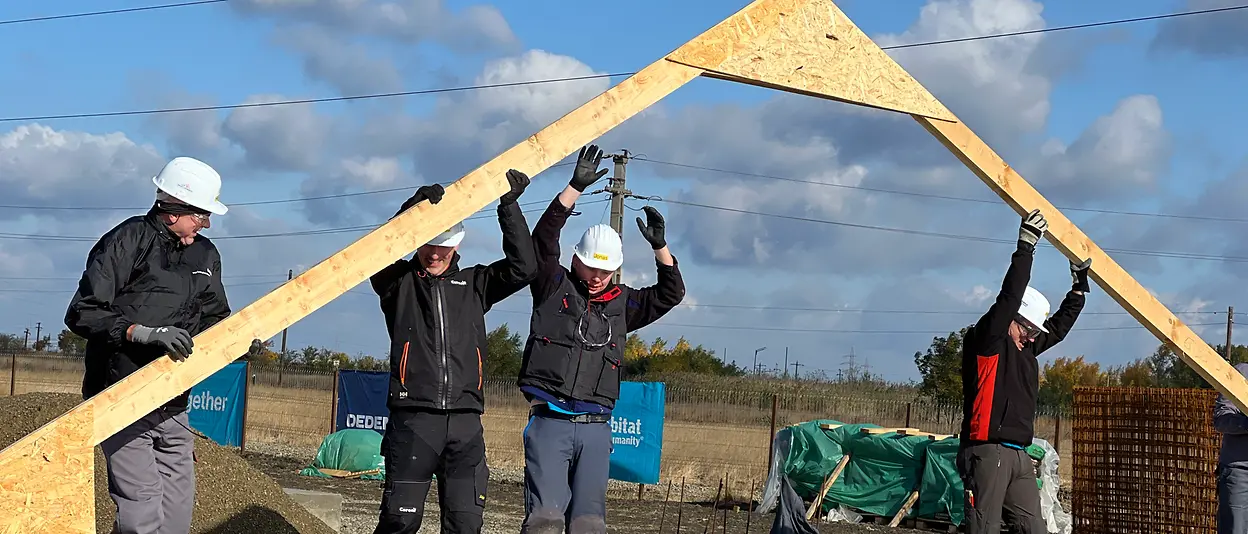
pixel 637 432
pixel 362 400
pixel 217 404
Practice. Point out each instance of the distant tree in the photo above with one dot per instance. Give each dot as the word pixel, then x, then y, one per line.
pixel 70 343
pixel 369 363
pixel 504 353
pixel 656 359
pixel 1059 378
pixel 941 367
pixel 11 343
pixel 42 345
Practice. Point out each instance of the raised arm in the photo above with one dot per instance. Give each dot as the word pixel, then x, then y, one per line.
pixel 383 281
pixel 1227 418
pixel 1064 319
pixel 504 277
pixel 648 304
pixel 996 322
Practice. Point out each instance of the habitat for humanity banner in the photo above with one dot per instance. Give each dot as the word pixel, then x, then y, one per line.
pixel 362 400
pixel 637 432
pixel 217 404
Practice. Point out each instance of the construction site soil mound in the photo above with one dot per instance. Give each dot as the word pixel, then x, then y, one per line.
pixel 230 495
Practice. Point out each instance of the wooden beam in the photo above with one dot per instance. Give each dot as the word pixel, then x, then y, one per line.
pixel 817 503
pixel 1077 246
pixel 809 48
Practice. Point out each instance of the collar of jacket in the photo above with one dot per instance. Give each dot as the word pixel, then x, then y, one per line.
pixel 153 218
pixel 450 269
pixel 607 295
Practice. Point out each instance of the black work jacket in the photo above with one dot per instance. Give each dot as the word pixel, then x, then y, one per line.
pixel 576 340
pixel 140 273
pixel 437 323
pixel 1000 382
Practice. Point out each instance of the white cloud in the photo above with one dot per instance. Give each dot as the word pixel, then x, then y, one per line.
pixel 278 138
pixel 344 65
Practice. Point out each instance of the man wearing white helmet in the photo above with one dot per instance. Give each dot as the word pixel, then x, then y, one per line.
pixel 150 285
pixel 1000 381
pixel 435 314
pixel 571 367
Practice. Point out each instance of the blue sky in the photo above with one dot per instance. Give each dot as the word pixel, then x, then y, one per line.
pixel 1123 118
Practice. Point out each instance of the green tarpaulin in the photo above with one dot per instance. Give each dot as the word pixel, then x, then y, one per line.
pixel 883 470
pixel 352 450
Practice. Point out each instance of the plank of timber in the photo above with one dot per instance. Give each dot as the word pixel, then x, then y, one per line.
pixel 809 48
pixel 52 482
pixel 817 503
pixel 1077 246
pixel 875 431
pixel 913 432
pixel 905 508
pixel 829 426
pixel 163 379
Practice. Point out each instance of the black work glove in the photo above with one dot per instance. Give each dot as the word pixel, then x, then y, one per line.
pixel 654 232
pixel 518 181
pixel 176 341
pixel 1033 228
pixel 1079 276
pixel 433 193
pixel 586 171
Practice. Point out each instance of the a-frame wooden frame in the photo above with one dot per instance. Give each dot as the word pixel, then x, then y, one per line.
pixel 807 47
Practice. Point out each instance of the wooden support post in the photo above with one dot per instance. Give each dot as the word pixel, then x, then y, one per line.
pixel 806 47
pixel 13 375
pixel 771 438
pixel 333 405
pixel 242 439
pixel 905 508
pixel 817 503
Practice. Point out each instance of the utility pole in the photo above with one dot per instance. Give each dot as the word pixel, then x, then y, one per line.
pixel 281 357
pixel 38 333
pixel 617 190
pixel 26 341
pixel 1230 321
pixel 796 365
pixel 786 363
pixel 756 351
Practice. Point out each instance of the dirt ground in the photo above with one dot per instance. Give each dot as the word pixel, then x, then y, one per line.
pixel 505 508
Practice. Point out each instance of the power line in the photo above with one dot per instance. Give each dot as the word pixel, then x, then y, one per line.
pixel 892 312
pixel 254 202
pixel 110 12
pixel 318 231
pixel 575 78
pixel 1129 252
pixel 936 196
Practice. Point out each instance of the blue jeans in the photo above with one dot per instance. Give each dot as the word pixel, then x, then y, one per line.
pixel 566 467
pixel 1232 499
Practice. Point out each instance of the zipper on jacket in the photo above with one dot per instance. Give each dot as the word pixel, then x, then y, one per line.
pixel 403 365
pixel 443 389
pixel 480 375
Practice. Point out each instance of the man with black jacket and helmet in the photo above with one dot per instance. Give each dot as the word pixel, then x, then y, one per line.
pixel 150 285
pixel 435 313
pixel 571 367
pixel 1000 381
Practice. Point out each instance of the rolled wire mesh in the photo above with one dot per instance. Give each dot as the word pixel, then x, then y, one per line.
pixel 1144 461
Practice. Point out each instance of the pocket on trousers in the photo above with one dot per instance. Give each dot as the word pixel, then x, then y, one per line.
pixel 482 478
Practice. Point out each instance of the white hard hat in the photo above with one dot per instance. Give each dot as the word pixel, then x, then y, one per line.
pixel 193 182
pixel 600 248
pixel 1035 308
pixel 451 237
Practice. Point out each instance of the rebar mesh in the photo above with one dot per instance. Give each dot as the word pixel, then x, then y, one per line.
pixel 1144 461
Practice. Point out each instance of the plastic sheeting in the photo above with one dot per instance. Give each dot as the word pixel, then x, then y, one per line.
pixel 349 451
pixel 885 468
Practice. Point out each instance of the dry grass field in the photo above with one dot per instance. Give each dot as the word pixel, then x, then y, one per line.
pixel 708 434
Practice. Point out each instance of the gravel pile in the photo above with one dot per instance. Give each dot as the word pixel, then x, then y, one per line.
pixel 231 496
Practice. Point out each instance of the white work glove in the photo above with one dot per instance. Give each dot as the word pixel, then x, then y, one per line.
pixel 1033 228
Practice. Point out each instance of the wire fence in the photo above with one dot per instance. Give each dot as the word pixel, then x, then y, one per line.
pixel 709 434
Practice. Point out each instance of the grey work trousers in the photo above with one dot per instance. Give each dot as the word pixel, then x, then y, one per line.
pixel 1232 499
pixel 151 474
pixel 997 479
pixel 566 467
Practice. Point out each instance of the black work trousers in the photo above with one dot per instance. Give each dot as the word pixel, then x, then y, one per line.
pixel 421 444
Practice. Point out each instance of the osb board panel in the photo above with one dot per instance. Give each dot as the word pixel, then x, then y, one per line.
pixel 809 48
pixel 1076 245
pixel 47 484
pixel 1144 461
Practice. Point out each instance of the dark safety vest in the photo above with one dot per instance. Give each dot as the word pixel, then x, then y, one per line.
pixel 576 345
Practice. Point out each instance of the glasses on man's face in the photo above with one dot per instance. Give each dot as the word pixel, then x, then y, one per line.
pixel 201 218
pixel 1029 330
